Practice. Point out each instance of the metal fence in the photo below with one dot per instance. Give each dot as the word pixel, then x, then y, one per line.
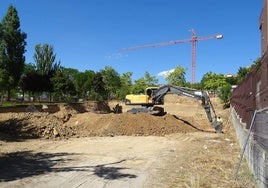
pixel 260 147
pixel 249 97
pixel 253 150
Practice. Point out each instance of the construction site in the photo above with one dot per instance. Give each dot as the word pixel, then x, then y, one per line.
pixel 167 137
pixel 91 146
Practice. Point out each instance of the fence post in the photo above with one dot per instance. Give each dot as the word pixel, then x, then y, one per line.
pixel 245 145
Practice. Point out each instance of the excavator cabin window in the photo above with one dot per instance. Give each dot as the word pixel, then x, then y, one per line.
pixel 151 91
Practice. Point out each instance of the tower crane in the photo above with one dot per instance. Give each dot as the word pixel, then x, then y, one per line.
pixel 193 40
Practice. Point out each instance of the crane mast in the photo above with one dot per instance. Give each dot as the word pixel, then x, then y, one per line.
pixel 193 40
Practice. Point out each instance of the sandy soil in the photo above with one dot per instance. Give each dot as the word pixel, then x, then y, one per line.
pixel 72 149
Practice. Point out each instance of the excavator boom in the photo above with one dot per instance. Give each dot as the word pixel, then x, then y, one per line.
pixel 157 97
pixel 200 95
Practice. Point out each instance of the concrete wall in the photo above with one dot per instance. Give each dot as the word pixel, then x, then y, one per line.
pixel 256 155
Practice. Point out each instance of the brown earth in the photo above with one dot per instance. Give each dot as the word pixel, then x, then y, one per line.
pixel 35 125
pixel 75 148
pixel 69 122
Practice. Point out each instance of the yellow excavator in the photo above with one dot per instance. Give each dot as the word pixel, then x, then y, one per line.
pixel 155 96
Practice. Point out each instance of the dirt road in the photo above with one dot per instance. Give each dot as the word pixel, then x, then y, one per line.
pixel 193 158
pixel 111 161
pixel 86 162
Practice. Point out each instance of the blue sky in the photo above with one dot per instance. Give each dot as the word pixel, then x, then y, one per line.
pixel 86 34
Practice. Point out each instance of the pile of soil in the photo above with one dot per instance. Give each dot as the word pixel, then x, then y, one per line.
pixel 67 125
pixel 127 124
pixel 71 121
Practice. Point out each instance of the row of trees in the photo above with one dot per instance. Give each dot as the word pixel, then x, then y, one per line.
pixel 64 84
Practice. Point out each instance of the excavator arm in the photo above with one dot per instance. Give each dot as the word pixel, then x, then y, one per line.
pixel 156 97
pixel 159 94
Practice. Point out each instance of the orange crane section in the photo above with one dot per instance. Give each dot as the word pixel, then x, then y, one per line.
pixel 193 40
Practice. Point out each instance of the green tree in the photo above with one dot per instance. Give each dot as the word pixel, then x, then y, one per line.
pixel 177 77
pixel 12 49
pixel 71 72
pixel 241 74
pixel 3 82
pixel 45 58
pixel 83 82
pixel 139 86
pixel 256 63
pixel 31 82
pixel 126 79
pixel 231 80
pixel 196 85
pixel 98 91
pixel 111 80
pixel 126 84
pixel 3 73
pixel 225 93
pixel 46 66
pixel 29 67
pixel 142 83
pixel 150 79
pixel 63 86
pixel 243 71
pixel 212 81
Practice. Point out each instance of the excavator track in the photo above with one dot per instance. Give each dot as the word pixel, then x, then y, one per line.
pixel 155 110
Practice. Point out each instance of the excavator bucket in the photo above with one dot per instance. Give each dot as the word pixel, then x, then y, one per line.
pixel 217 126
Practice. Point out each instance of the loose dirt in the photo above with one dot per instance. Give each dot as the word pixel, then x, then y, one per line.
pixel 78 148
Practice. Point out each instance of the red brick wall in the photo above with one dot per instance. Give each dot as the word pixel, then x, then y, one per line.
pixel 252 93
pixel 264 27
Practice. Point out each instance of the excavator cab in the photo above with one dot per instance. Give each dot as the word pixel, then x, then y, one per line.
pixel 150 92
pixel 142 99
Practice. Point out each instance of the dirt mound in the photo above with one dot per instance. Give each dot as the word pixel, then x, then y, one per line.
pixel 127 124
pixel 44 125
pixel 36 125
pixel 70 121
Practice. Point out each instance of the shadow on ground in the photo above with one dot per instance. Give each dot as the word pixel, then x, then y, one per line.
pixel 188 123
pixel 19 165
pixel 13 130
pixel 106 172
pixel 24 164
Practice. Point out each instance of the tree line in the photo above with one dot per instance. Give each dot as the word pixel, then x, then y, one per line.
pixel 59 83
